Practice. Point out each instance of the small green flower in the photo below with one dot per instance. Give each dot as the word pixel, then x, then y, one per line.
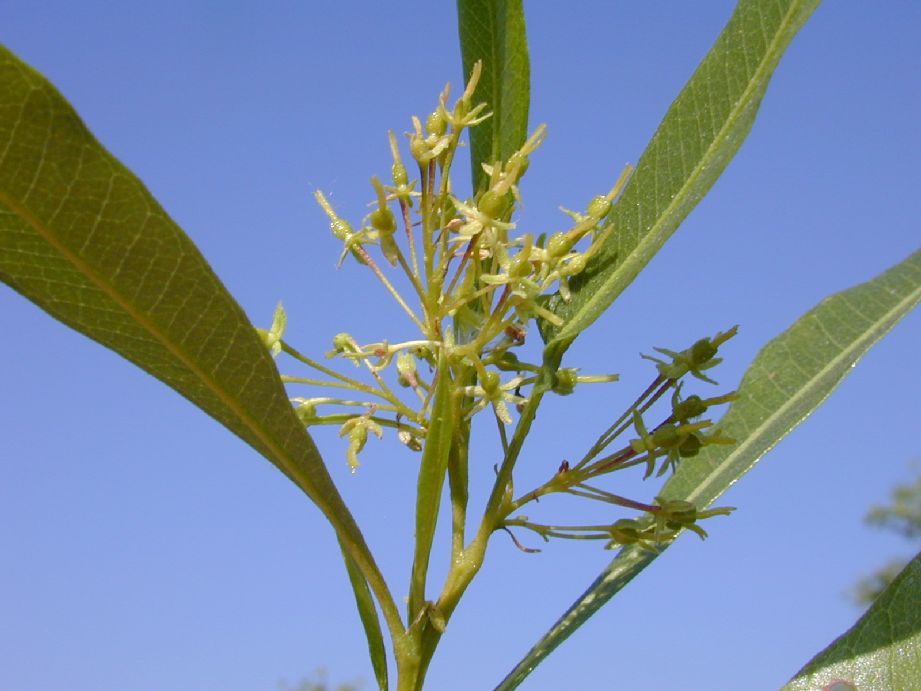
pixel 676 514
pixel 357 429
pixel 629 531
pixel 343 230
pixel 491 391
pixel 272 337
pixel 406 369
pixel 699 357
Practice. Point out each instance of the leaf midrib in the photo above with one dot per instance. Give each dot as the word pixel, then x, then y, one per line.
pixel 638 252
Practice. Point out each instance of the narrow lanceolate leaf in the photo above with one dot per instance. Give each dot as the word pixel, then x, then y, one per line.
pixel 493 31
pixel 699 135
pixel 367 612
pixel 788 379
pixel 882 650
pixel 82 238
pixel 432 470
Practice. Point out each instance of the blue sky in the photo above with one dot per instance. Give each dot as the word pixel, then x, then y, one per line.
pixel 144 547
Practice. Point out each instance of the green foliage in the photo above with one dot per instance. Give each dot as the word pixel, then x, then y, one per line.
pixel 789 378
pixel 882 650
pixel 81 237
pixel 699 135
pixel 492 32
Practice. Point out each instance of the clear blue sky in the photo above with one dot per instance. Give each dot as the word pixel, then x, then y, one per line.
pixel 143 547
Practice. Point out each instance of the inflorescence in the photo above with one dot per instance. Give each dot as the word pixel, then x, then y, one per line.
pixel 477 287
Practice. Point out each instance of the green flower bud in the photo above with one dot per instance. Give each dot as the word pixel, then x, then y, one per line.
pixel 343 343
pixel 508 362
pixel 398 174
pixel 558 245
pixel 406 369
pixel 436 124
pixel 341 228
pixel 493 204
pixel 625 531
pixel 690 446
pixel 666 436
pixel 574 266
pixel 564 383
pixel 390 249
pixel 306 413
pixel 679 513
pixel 490 383
pixel 692 406
pixel 383 221
pixel 419 149
pixel 599 206
pixel 702 352
pixel 520 266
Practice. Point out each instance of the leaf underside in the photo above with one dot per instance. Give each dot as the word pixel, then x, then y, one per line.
pixel 494 31
pixel 82 238
pixel 370 623
pixel 788 379
pixel 697 138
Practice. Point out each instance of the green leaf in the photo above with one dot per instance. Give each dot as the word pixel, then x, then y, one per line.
pixel 493 31
pixel 432 470
pixel 699 135
pixel 367 612
pixel 82 238
pixel 787 380
pixel 882 650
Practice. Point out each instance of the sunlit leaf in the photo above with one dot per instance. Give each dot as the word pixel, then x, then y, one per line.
pixel 367 612
pixel 699 135
pixel 493 31
pixel 81 237
pixel 789 378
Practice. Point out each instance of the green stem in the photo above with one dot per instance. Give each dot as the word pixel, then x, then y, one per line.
pixel 353 383
pixel 653 392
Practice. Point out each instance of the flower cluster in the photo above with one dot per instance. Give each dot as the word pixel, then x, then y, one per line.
pixel 681 434
pixel 476 285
